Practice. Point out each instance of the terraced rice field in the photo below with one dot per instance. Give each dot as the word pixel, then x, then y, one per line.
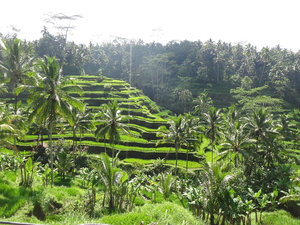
pixel 143 123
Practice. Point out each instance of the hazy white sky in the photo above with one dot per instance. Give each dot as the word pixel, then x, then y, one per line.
pixel 259 22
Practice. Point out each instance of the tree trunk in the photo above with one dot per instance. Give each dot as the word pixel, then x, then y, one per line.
pixel 187 157
pixel 51 152
pixel 177 149
pixel 74 138
pixel 112 155
pixel 212 219
pixel 223 220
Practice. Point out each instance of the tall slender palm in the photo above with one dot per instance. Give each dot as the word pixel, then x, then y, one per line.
pixel 50 98
pixel 202 104
pixel 236 141
pixel 82 121
pixel 236 136
pixel 260 125
pixel 16 64
pixel 285 127
pixel 213 181
pixel 112 124
pixel 213 122
pixel 191 128
pixel 175 132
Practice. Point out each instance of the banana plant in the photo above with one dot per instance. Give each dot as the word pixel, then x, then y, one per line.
pixel 28 170
pixel 45 174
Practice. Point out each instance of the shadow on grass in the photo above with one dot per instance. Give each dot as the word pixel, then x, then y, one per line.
pixel 12 198
pixel 59 181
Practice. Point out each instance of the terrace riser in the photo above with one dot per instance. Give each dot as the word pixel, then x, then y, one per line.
pixel 135 154
pixel 145 155
pixel 128 144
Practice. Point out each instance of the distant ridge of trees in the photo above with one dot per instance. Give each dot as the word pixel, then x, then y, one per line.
pixel 164 72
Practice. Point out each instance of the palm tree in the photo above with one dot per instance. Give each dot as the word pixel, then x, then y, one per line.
pixel 191 129
pixel 111 124
pixel 285 127
pixel 16 64
pixel 82 121
pixel 213 122
pixel 236 136
pixel 260 126
pixel 175 132
pixel 202 104
pixel 213 181
pixel 7 128
pixel 236 141
pixel 50 98
pixel 108 174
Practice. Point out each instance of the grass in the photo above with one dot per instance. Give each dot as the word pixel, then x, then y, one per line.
pixel 142 129
pixel 164 213
pixel 278 217
pixel 12 197
pixel 181 163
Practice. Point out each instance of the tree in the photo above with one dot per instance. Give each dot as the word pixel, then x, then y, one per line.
pixel 7 128
pixel 82 121
pixel 175 132
pixel 213 181
pixel 236 136
pixel 16 63
pixel 191 128
pixel 111 125
pixel 109 175
pixel 202 104
pixel 184 97
pixel 212 119
pixel 260 125
pixel 50 99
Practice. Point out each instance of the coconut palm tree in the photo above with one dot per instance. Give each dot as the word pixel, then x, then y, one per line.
pixel 82 121
pixel 212 119
pixel 191 129
pixel 285 127
pixel 260 125
pixel 236 141
pixel 175 133
pixel 7 128
pixel 213 182
pixel 50 98
pixel 15 65
pixel 236 136
pixel 111 125
pixel 202 104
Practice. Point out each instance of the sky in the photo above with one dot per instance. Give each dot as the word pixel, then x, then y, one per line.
pixel 259 22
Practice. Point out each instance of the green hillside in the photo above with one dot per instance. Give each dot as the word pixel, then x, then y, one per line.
pixel 144 120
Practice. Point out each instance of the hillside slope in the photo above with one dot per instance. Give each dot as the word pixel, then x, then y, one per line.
pixel 143 123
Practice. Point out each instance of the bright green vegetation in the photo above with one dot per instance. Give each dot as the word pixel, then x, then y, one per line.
pixel 181 163
pixel 165 213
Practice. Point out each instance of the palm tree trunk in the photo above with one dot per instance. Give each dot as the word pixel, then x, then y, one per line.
pixel 187 158
pixel 74 138
pixel 177 148
pixel 212 219
pixel 80 137
pixel 51 152
pixel 112 155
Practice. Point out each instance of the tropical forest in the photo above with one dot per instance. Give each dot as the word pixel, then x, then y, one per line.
pixel 129 132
